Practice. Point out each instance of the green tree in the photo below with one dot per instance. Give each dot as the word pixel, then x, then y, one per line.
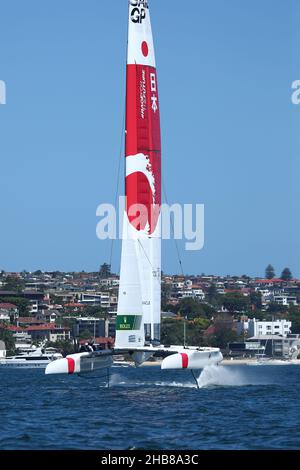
pixel 192 308
pixel 64 347
pixel 294 317
pixel 195 330
pixel 223 333
pixel 256 299
pixel 86 334
pixel 56 300
pixel 212 294
pixel 172 331
pixel 68 322
pixel 94 311
pixel 166 291
pixel 273 307
pixel 13 283
pixel 286 275
pixel 105 271
pixel 258 314
pixel 20 302
pixel 202 323
pixel 236 302
pixel 270 272
pixel 9 341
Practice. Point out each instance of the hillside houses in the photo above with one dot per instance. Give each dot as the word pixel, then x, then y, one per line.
pixel 61 306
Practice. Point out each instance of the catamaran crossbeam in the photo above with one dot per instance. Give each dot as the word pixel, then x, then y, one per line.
pixel 190 358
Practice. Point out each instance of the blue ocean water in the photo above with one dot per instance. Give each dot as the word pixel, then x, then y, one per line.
pixel 236 407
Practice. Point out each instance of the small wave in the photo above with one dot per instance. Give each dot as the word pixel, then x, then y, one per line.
pixel 222 376
pixel 117 380
pixel 175 384
pixel 25 437
pixel 210 376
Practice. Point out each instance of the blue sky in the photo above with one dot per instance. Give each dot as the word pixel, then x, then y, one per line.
pixel 230 132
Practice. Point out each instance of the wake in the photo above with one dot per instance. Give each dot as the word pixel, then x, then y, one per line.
pixel 117 380
pixel 230 376
pixel 210 376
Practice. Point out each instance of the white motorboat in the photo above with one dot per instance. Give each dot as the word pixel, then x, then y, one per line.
pixel 33 358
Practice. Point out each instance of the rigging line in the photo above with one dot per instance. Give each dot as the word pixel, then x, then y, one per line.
pixel 118 179
pixel 173 230
pixel 123 132
pixel 149 261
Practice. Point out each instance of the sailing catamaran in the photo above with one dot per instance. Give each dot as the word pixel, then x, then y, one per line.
pixel 139 304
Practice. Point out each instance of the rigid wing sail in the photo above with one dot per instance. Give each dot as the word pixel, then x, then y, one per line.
pixel 139 302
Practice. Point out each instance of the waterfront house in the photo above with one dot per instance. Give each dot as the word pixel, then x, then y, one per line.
pixel 2 350
pixel 104 343
pixel 256 328
pixel 42 332
pixel 97 327
pixel 8 312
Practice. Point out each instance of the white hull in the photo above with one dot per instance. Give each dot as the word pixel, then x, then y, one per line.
pixel 81 363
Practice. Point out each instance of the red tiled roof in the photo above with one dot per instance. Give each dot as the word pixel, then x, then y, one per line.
pixel 13 328
pixel 45 327
pixel 100 340
pixel 7 305
pixel 74 304
pixel 210 331
pixel 40 328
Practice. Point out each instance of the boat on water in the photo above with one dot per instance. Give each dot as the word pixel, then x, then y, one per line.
pixel 122 364
pixel 32 358
pixel 273 359
pixel 273 362
pixel 139 301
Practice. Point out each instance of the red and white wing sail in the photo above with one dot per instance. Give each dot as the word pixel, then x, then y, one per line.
pixel 138 320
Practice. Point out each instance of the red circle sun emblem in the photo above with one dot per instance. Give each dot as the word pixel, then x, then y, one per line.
pixel 145 49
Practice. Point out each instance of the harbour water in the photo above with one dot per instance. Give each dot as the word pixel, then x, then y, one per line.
pixel 236 407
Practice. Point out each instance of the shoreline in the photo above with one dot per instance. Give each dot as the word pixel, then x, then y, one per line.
pixel 238 362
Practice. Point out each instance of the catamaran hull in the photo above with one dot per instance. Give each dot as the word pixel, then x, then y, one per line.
pixel 79 363
pixel 192 360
